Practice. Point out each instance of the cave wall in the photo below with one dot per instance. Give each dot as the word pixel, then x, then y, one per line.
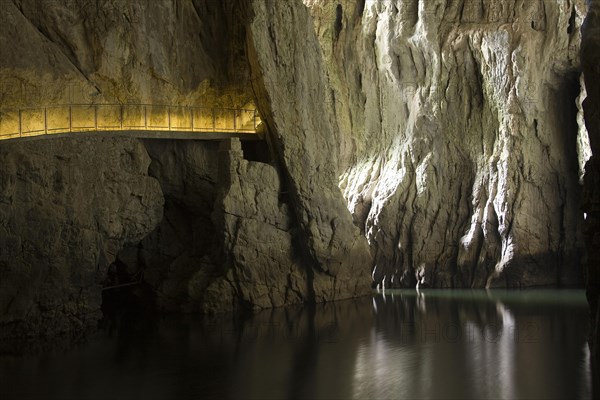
pixel 180 52
pixel 176 260
pixel 458 156
pixel 590 59
pixel 449 126
pixel 70 52
pixel 261 263
pixel 194 53
pixel 67 206
pixel 229 239
pixel 293 96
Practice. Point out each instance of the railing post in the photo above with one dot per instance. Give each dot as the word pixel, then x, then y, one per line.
pixel 234 120
pixel 214 127
pixel 121 115
pixel 145 117
pixel 96 116
pixel 70 119
pixel 169 116
pixel 254 119
pixel 192 117
pixel 45 120
pixel 20 124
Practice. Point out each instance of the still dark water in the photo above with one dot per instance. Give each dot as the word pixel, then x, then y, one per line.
pixel 401 344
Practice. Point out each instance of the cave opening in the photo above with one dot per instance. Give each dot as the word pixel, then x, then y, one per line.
pixel 257 151
pixel 360 8
pixel 338 25
pixel 125 293
pixel 572 18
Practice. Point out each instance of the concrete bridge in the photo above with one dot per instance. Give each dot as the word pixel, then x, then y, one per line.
pixel 133 120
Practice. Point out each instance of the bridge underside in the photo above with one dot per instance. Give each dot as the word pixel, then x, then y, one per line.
pixel 144 134
pixel 130 120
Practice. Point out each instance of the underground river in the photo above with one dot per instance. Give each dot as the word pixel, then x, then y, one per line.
pixel 397 344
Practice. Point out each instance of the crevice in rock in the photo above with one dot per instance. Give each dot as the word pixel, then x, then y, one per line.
pixel 360 8
pixel 181 249
pixel 338 24
pixel 572 22
pixel 257 151
pixel 125 293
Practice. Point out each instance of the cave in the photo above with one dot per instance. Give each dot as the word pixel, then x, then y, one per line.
pixel 299 198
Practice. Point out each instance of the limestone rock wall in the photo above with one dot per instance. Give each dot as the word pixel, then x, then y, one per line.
pixel 194 52
pixel 180 52
pixel 176 260
pixel 450 126
pixel 458 137
pixel 590 58
pixel 228 239
pixel 260 267
pixel 66 208
pixel 293 95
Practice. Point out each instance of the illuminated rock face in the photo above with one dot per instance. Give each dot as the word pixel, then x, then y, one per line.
pixel 458 137
pixel 451 124
pixel 142 52
pixel 66 208
pixel 70 51
pixel 290 83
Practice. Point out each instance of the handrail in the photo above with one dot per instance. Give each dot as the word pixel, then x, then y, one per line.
pixel 69 118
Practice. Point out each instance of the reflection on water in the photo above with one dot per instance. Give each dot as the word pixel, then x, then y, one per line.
pixel 401 344
pixel 474 344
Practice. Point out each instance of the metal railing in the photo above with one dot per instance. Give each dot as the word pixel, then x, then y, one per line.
pixel 69 118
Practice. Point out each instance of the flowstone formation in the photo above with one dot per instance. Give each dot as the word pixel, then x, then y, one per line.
pixel 458 137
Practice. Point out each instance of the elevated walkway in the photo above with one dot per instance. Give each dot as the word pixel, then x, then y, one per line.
pixel 132 120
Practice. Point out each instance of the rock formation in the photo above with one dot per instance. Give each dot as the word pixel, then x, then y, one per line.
pixel 84 51
pixel 121 52
pixel 293 96
pixel 590 59
pixel 66 208
pixel 177 258
pixel 139 53
pixel 458 137
pixel 450 126
pixel 261 267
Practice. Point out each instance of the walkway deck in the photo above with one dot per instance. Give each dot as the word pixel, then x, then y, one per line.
pixel 135 120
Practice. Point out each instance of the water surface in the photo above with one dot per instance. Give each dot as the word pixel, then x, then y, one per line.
pixel 401 344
